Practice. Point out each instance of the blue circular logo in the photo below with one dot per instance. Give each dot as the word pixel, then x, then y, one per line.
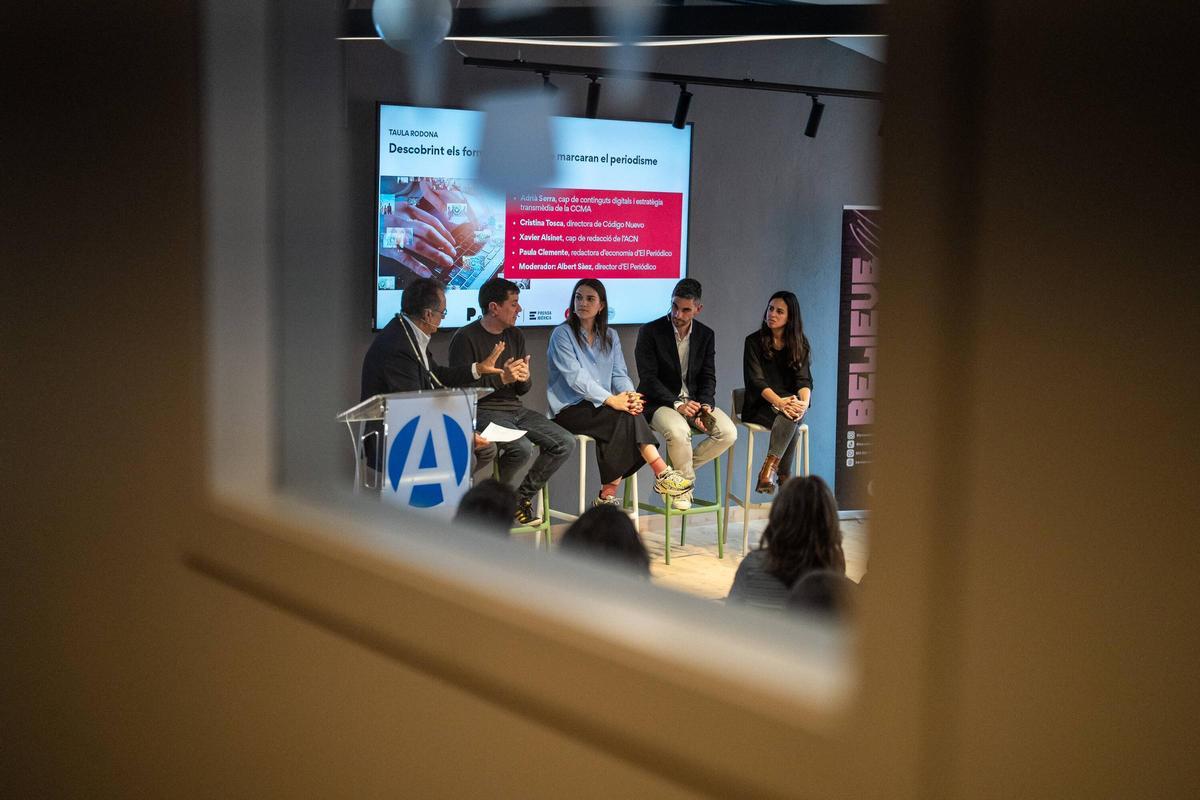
pixel 431 478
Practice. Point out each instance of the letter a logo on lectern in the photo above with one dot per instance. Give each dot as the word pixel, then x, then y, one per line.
pixel 428 459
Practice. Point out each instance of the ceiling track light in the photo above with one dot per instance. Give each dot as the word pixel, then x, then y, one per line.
pixel 681 106
pixel 669 77
pixel 814 117
pixel 593 98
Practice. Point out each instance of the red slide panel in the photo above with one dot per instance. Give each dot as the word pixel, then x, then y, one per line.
pixel 593 233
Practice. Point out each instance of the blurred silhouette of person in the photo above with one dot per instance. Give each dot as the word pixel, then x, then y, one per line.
pixel 802 535
pixel 607 533
pixel 824 592
pixel 488 505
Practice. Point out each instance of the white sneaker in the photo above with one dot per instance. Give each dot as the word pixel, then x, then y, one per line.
pixel 683 502
pixel 672 483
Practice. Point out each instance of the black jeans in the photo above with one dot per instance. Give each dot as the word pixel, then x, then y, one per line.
pixel 554 445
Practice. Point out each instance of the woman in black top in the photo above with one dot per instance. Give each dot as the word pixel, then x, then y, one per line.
pixel 779 383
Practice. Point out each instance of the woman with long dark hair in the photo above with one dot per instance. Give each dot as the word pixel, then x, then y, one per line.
pixel 802 535
pixel 778 376
pixel 590 393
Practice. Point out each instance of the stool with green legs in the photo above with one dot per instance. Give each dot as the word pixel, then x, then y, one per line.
pixel 698 507
pixel 542 527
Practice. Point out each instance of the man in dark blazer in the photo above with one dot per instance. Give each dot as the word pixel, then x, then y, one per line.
pixel 676 362
pixel 399 359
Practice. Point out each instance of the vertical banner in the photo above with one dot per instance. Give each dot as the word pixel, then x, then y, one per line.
pixel 858 325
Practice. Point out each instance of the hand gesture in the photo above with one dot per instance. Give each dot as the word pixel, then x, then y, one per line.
pixel 516 370
pixel 446 201
pixel 480 442
pixel 488 365
pixel 689 409
pixel 410 230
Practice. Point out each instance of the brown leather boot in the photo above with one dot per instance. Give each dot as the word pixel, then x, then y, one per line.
pixel 766 484
pixel 782 475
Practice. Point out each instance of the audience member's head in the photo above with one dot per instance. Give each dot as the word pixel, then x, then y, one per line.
pixel 802 532
pixel 489 505
pixel 607 533
pixel 824 592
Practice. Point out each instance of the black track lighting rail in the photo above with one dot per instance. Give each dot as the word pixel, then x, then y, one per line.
pixel 669 77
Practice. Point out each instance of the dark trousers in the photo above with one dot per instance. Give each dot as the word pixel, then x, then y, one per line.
pixel 784 433
pixel 554 445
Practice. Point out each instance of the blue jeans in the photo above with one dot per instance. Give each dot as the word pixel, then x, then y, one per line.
pixel 554 445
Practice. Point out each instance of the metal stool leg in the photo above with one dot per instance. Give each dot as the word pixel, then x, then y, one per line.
pixel 728 482
pixel 582 475
pixel 806 465
pixel 746 496
pixel 635 510
pixel 717 493
pixel 667 529
pixel 546 515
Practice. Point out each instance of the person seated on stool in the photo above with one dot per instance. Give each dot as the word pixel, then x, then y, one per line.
pixel 499 301
pixel 778 376
pixel 677 373
pixel 399 359
pixel 590 393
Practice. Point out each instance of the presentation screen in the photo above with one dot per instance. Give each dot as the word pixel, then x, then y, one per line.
pixel 616 209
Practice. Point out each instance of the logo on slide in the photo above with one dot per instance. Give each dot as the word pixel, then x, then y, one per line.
pixel 429 456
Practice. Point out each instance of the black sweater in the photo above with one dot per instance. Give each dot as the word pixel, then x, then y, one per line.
pixel 761 372
pixel 472 343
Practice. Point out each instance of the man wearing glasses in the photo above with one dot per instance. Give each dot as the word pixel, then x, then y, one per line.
pixel 399 359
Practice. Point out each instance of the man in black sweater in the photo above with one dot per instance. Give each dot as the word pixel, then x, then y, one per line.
pixel 499 302
pixel 677 373
pixel 399 359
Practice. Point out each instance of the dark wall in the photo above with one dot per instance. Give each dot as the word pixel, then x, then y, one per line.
pixel 766 201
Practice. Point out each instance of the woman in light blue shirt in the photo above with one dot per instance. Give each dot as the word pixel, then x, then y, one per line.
pixel 590 393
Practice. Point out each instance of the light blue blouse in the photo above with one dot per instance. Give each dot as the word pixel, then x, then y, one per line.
pixel 578 373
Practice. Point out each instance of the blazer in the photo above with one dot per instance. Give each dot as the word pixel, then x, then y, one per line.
pixel 658 365
pixel 392 365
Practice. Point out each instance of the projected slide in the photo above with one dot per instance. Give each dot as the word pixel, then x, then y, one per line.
pixel 616 210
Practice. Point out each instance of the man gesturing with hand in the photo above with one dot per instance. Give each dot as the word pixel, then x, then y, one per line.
pixel 499 300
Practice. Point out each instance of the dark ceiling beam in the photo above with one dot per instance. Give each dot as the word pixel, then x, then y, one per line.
pixel 669 77
pixel 575 22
